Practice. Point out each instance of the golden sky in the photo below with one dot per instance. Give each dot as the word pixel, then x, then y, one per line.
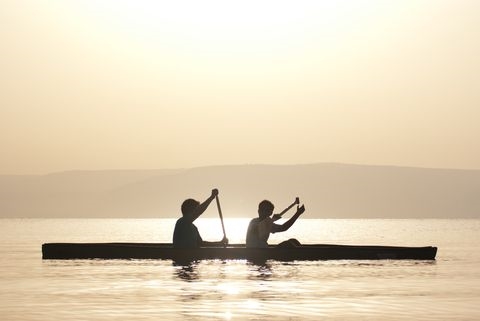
pixel 119 84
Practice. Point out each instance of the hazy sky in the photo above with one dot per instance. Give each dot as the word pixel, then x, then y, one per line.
pixel 167 84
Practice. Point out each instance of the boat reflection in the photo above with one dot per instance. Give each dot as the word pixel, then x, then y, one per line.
pixel 186 272
pixel 261 270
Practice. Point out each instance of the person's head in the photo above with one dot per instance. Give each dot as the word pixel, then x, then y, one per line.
pixel 265 209
pixel 189 206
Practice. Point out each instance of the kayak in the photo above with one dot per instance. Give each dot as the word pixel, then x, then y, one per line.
pixel 165 251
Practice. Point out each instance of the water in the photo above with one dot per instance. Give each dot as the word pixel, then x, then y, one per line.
pixel 445 289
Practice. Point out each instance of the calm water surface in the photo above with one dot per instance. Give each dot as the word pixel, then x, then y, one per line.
pixel 445 289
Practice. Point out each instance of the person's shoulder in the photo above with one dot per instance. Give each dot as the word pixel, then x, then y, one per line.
pixel 181 221
pixel 253 223
pixel 254 220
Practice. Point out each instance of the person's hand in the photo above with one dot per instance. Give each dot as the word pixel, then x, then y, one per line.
pixel 224 241
pixel 214 192
pixel 300 210
pixel 276 217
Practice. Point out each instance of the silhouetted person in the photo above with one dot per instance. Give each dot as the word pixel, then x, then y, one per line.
pixel 260 228
pixel 186 234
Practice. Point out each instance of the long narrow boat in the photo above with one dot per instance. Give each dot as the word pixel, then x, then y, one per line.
pixel 165 251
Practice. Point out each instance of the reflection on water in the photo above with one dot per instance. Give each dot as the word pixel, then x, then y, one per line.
pixel 263 271
pixel 186 272
pixel 448 288
pixel 282 290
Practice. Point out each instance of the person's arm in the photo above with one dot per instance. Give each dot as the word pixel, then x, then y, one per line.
pixel 285 226
pixel 223 242
pixel 201 242
pixel 202 207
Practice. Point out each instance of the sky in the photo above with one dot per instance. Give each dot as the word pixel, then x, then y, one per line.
pixel 132 84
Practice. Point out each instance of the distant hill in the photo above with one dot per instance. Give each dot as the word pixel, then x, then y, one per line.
pixel 328 190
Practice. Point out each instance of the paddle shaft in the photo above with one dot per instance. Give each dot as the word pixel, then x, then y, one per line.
pixel 288 208
pixel 221 216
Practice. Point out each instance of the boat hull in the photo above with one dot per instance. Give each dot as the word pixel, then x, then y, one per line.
pixel 69 251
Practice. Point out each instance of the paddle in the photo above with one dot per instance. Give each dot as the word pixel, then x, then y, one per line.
pixel 221 218
pixel 297 201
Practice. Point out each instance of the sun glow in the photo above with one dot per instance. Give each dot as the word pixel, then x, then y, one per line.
pixel 226 28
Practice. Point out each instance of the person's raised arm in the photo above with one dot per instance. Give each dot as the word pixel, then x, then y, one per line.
pixel 285 226
pixel 202 207
pixel 278 216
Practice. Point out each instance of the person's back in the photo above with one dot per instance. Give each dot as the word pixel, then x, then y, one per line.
pixel 186 234
pixel 258 232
